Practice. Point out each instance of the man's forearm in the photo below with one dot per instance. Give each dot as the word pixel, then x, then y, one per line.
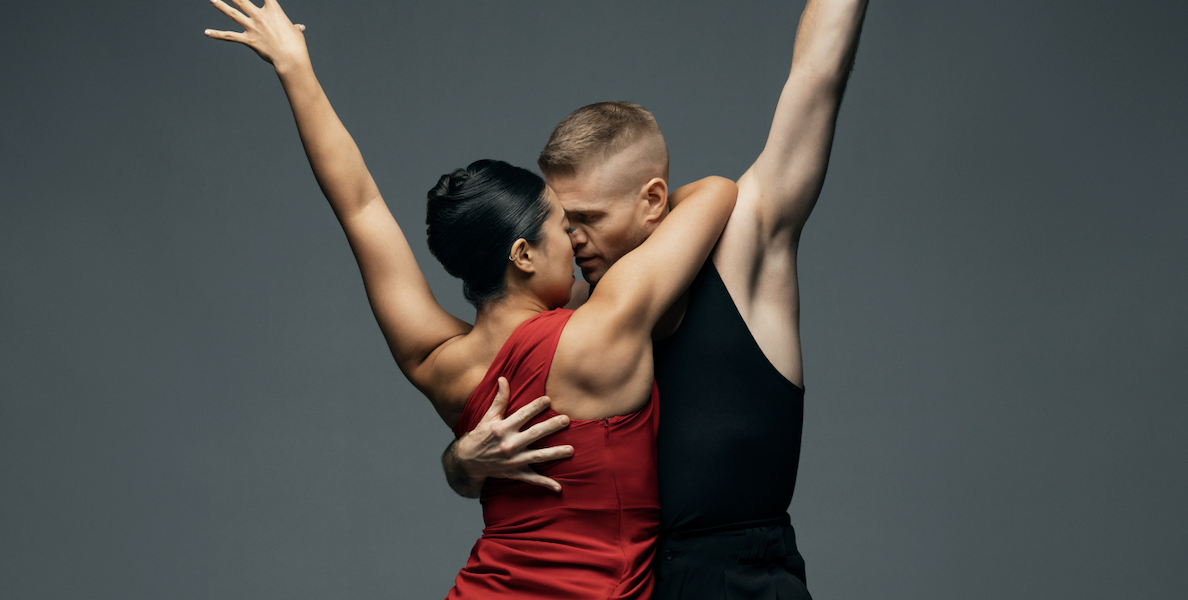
pixel 790 170
pixel 827 39
pixel 456 475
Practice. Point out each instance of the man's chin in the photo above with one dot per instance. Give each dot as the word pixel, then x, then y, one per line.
pixel 591 275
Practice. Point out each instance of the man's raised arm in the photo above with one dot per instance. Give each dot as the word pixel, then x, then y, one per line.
pixel 756 255
pixel 791 169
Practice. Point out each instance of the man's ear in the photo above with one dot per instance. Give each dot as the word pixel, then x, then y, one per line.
pixel 655 192
pixel 521 257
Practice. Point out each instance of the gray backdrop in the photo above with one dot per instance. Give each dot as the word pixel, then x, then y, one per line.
pixel 195 401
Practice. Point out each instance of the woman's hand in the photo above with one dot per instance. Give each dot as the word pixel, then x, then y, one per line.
pixel 266 30
pixel 414 324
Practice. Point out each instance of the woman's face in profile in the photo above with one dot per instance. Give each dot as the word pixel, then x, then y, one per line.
pixel 556 273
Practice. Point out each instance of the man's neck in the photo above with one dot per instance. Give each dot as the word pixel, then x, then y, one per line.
pixel 579 293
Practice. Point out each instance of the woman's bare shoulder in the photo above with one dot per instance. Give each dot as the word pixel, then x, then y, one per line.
pixel 597 373
pixel 450 375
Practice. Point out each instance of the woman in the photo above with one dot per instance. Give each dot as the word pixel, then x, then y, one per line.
pixel 502 231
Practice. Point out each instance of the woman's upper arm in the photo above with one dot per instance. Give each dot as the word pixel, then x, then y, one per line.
pixel 412 321
pixel 603 347
pixel 638 288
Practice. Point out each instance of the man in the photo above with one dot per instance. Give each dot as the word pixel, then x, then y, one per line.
pixel 729 367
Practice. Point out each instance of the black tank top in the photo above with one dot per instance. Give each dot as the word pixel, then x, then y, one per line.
pixel 730 423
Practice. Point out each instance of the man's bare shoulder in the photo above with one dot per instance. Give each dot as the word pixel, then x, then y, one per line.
pixel 578 294
pixel 752 252
pixel 757 264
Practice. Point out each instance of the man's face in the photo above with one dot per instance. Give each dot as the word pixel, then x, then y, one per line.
pixel 607 219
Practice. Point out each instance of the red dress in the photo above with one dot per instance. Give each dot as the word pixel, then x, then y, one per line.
pixel 594 539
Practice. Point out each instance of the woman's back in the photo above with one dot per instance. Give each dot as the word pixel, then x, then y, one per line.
pixel 594 539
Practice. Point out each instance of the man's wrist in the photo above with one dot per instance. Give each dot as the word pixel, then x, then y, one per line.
pixel 460 479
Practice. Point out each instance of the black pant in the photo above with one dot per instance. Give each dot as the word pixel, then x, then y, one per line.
pixel 756 560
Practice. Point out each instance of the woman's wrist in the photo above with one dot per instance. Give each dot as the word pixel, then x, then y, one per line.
pixel 293 65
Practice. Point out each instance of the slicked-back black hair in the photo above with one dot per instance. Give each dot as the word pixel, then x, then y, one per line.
pixel 474 216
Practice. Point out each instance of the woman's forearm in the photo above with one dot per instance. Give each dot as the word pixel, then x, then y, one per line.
pixel 333 155
pixel 412 321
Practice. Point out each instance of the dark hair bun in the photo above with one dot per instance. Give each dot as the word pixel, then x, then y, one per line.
pixel 474 215
pixel 450 184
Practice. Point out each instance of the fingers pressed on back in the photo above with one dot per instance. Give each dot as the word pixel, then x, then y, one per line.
pixel 543 429
pixel 499 404
pixel 533 457
pixel 518 418
pixel 535 479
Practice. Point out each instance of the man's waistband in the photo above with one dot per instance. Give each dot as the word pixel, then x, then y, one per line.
pixel 682 534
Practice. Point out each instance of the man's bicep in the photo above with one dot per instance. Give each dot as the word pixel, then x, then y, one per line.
pixel 750 247
pixel 788 175
pixel 758 269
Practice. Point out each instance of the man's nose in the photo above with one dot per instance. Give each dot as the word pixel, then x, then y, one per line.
pixel 577 238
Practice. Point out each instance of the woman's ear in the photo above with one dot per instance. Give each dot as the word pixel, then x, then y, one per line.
pixel 521 257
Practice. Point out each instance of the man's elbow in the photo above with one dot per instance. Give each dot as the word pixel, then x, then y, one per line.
pixel 824 83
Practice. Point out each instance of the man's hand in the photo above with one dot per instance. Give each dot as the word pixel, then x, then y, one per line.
pixel 497 447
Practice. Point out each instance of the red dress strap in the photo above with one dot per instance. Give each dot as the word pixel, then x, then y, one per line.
pixel 524 358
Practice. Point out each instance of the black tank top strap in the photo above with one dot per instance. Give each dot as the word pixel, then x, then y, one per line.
pixel 729 439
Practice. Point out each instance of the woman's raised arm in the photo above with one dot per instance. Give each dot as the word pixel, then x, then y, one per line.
pixel 412 321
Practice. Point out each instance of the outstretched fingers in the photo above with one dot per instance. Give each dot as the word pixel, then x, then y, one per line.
pixel 226 36
pixel 246 6
pixel 233 14
pixel 499 448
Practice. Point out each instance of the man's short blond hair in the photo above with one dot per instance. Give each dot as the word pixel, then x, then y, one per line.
pixel 596 132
